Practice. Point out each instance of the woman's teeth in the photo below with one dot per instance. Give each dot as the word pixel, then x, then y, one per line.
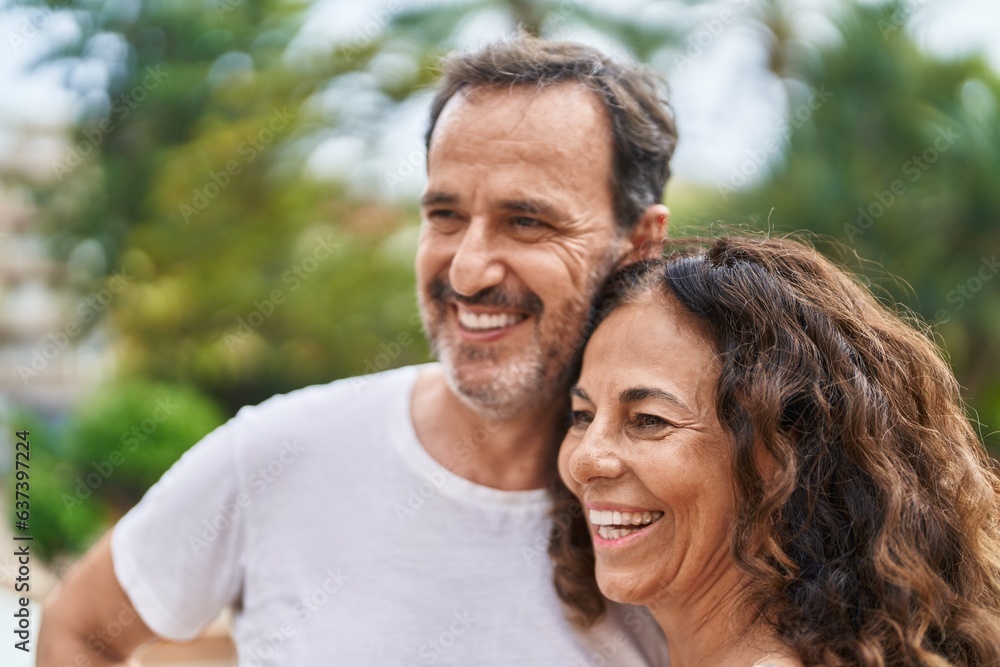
pixel 486 321
pixel 612 525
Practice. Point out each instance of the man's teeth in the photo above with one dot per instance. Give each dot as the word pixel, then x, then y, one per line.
pixel 611 525
pixel 486 321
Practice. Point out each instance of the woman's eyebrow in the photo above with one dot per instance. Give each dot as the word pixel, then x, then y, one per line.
pixel 635 394
pixel 579 393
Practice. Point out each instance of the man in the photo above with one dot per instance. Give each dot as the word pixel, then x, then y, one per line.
pixel 401 518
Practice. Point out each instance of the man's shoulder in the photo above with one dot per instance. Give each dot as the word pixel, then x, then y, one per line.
pixel 345 396
pixel 345 391
pixel 313 418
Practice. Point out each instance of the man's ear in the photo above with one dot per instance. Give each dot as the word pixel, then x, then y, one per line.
pixel 647 236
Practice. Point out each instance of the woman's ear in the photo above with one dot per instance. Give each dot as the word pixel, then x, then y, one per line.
pixel 772 470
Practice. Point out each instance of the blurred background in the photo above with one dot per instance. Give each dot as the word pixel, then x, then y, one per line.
pixel 205 203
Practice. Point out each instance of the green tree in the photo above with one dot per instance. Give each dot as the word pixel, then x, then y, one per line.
pixel 248 277
pixel 894 155
pixel 188 175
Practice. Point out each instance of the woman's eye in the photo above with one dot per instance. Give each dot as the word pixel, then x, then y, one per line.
pixel 580 418
pixel 650 421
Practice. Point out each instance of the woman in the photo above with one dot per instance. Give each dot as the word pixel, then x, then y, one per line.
pixel 779 468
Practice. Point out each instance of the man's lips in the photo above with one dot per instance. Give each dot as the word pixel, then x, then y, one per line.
pixel 495 299
pixel 484 323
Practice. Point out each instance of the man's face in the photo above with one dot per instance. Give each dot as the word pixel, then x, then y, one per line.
pixel 518 232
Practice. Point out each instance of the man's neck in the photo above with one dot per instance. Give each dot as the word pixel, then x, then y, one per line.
pixel 507 452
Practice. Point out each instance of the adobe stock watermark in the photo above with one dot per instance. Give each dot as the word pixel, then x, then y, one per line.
pixel 561 524
pixel 130 440
pixel 246 152
pixel 223 7
pixel 409 164
pixel 365 35
pixel 434 649
pixel 259 481
pixel 707 34
pixel 102 640
pixel 898 18
pixel 759 157
pixel 86 311
pixel 418 495
pixel 302 612
pixel 967 290
pixel 294 277
pixel 605 652
pixel 31 26
pixel 558 16
pixel 391 351
pixel 463 449
pixel 913 168
pixel 121 107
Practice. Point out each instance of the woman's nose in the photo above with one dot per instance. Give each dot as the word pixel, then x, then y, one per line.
pixel 594 456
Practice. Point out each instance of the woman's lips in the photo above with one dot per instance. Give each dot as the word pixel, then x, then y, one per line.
pixel 611 527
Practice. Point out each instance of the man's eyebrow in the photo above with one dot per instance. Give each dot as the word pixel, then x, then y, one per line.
pixel 636 394
pixel 530 206
pixel 579 393
pixel 438 197
pixel 533 207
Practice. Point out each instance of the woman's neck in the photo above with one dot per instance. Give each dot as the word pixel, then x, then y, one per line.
pixel 715 628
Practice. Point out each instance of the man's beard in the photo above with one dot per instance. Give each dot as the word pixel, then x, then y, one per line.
pixel 501 380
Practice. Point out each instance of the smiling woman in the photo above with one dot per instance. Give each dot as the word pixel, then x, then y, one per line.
pixel 779 467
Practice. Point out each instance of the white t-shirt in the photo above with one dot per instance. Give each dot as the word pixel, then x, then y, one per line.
pixel 339 540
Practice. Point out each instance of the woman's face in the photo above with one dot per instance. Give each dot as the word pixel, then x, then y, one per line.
pixel 647 456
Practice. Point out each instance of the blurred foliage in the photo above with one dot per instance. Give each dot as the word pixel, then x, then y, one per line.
pixel 54 529
pixel 88 471
pixel 894 157
pixel 245 277
pixel 123 438
pixel 248 276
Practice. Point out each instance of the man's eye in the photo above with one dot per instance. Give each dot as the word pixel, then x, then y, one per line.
pixel 526 222
pixel 445 219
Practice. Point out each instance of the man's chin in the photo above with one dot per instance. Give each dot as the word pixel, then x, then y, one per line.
pixel 496 389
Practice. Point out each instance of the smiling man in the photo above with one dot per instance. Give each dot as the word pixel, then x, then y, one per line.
pixel 519 230
pixel 410 526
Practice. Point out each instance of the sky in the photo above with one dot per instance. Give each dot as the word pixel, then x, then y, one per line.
pixel 727 104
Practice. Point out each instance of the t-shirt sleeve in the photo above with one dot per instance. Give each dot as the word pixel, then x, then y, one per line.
pixel 178 553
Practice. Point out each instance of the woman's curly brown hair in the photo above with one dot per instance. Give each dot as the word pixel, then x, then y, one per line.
pixel 877 542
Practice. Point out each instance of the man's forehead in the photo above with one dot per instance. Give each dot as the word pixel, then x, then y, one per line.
pixel 528 114
pixel 521 147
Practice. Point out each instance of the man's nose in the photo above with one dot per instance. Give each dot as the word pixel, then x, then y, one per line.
pixel 477 263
